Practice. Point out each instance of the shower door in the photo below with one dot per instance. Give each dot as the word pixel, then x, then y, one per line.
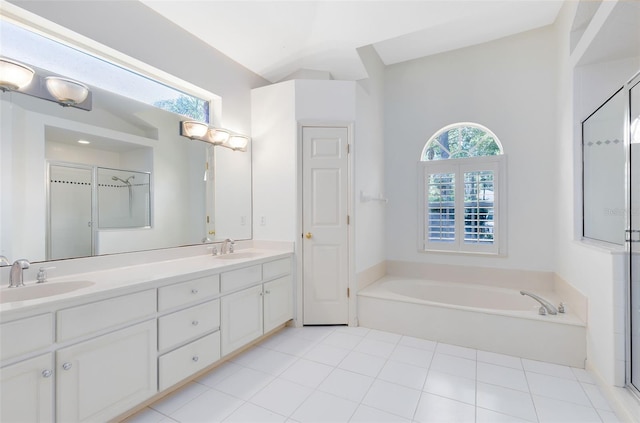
pixel 633 235
pixel 69 231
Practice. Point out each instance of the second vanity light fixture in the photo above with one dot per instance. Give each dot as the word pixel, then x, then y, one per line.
pixel 15 76
pixel 216 136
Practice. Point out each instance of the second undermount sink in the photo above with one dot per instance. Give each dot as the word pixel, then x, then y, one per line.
pixel 41 290
pixel 239 255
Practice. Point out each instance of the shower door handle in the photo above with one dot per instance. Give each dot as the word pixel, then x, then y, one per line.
pixel 629 235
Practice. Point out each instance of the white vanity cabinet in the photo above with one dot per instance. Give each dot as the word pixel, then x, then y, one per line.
pixel 250 312
pixel 241 318
pixel 100 378
pixel 188 337
pixel 278 302
pixel 27 390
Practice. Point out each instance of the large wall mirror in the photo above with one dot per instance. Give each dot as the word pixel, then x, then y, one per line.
pixel 116 179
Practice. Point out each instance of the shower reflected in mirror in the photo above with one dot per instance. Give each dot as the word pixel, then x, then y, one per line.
pixel 123 199
pixel 84 201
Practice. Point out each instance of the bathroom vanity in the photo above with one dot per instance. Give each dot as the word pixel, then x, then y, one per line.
pixel 130 333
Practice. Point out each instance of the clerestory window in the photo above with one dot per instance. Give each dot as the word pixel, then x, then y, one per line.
pixel 462 176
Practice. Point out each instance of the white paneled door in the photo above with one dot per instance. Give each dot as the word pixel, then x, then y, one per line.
pixel 325 225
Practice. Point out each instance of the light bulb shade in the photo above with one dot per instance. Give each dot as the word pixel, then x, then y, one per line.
pixel 218 136
pixel 193 129
pixel 14 75
pixel 66 91
pixel 238 142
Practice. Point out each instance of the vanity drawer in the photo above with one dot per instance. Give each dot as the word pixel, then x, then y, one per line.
pixel 93 317
pixel 241 277
pixel 189 359
pixel 276 268
pixel 25 335
pixel 186 292
pixel 186 324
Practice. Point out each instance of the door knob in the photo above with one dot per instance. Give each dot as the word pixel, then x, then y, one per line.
pixel 308 235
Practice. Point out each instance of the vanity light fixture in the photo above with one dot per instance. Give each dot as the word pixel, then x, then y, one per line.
pixel 216 136
pixel 13 75
pixel 66 91
pixel 40 83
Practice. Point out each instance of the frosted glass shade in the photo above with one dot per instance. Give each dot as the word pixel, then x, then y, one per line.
pixel 66 91
pixel 218 136
pixel 193 129
pixel 14 75
pixel 238 142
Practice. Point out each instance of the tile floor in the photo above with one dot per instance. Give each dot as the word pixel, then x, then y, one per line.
pixel 342 374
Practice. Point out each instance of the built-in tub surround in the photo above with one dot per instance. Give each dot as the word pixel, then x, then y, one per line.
pixel 477 316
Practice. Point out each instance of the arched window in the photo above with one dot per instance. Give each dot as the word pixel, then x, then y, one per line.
pixel 462 191
pixel 462 140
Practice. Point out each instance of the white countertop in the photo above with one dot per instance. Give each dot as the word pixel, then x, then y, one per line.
pixel 121 280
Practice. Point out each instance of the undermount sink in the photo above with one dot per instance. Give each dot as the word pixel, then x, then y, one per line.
pixel 41 290
pixel 239 255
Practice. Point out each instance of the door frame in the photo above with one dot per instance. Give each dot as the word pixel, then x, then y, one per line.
pixel 298 244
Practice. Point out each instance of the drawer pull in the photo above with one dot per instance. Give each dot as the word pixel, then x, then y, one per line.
pixel 67 366
pixel 47 373
pixel 195 323
pixel 195 358
pixel 194 291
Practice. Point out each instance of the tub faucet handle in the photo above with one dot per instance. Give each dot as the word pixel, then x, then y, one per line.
pixel 561 308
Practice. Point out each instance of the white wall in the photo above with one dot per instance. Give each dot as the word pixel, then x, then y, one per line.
pixel 508 86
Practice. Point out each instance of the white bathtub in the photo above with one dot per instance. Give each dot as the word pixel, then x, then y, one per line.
pixel 477 316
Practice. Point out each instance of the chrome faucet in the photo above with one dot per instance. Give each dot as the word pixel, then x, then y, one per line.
pixel 16 273
pixel 227 246
pixel 547 307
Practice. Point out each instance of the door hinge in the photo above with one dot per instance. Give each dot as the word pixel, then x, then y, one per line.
pixel 348 292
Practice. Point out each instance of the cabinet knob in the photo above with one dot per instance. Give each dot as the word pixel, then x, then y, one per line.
pixel 67 366
pixel 309 235
pixel 47 373
pixel 267 292
pixel 195 358
pixel 195 323
pixel 261 294
pixel 194 291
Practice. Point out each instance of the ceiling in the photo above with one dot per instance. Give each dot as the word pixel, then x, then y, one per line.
pixel 277 38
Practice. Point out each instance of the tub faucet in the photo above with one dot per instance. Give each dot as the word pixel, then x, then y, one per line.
pixel 16 274
pixel 547 307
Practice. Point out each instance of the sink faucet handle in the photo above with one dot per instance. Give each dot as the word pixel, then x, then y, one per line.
pixel 232 244
pixel 42 274
pixel 4 261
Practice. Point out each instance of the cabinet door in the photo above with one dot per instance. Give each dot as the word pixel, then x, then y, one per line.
pixel 101 378
pixel 26 391
pixel 241 318
pixel 278 302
